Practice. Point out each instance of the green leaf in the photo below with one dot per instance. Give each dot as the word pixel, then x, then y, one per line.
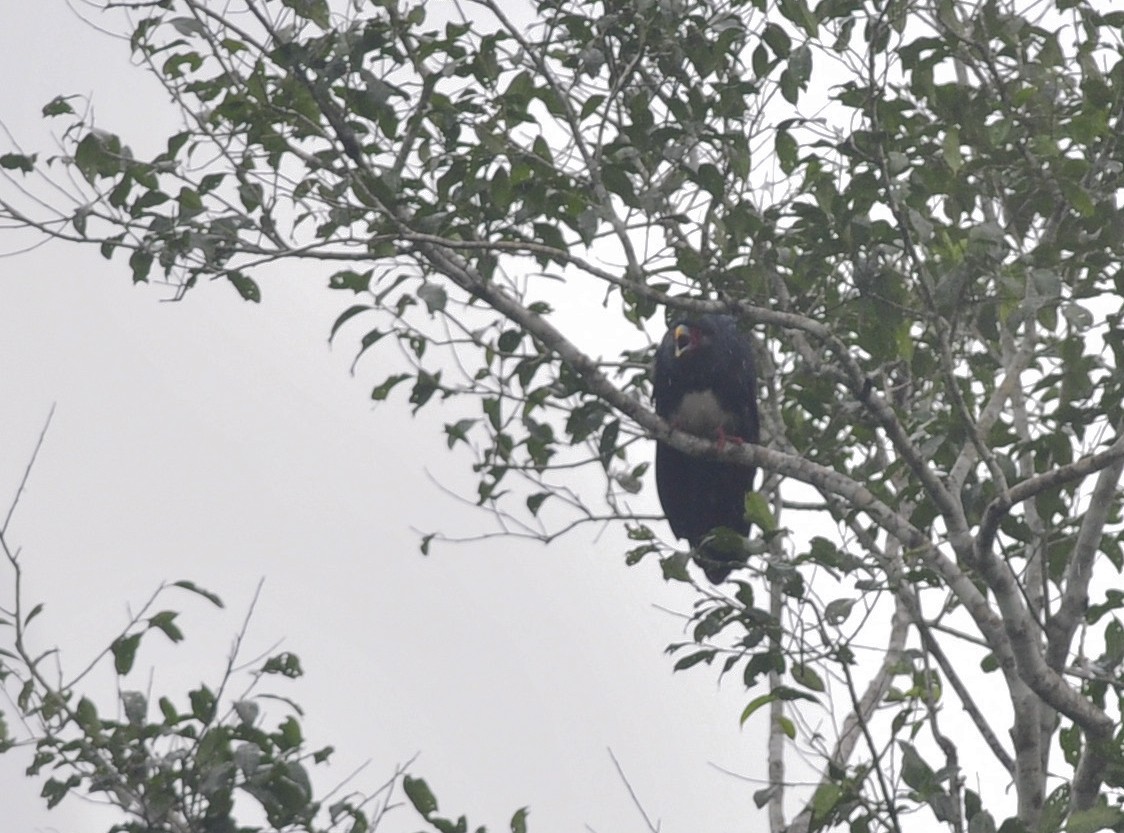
pixel 101 154
pixel 458 431
pixel 192 587
pixel 346 316
pixel 536 500
pixel 1070 740
pixel 382 391
pixel 674 567
pixel 35 611
pixel 149 199
pixel 425 386
pixel 286 664
pixel 787 151
pixel 124 650
pixel 519 821
pixel 806 676
pixel 1078 197
pixel 787 726
pixel 795 77
pixel 1054 808
pixel 755 704
pixel 617 181
pixel 787 693
pixel 777 39
pixel 174 67
pixel 79 220
pixel 284 792
pixel 984 823
pixel 710 179
pixel 86 715
pixel 315 10
pixel 950 149
pixel 694 659
pixel 1099 817
pixel 799 13
pixel 509 341
pixel 210 182
pixel 369 339
pixel 420 796
pixel 188 26
pixel 825 799
pixel 203 704
pixel 190 202
pixel 58 106
pixel 915 771
pixel 348 279
pixel 164 621
pixel 55 791
pixel 140 262
pixel 837 611
pixel 763 662
pixel 23 699
pixel 250 195
pixel 245 285
pixel 757 512
pixel 761 62
pixel 288 735
pixel 18 162
pixel 607 446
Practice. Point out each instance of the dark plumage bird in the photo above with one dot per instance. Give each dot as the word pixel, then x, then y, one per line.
pixel 705 384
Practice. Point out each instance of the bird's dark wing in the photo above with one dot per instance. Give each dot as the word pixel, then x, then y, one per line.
pixel 699 495
pixel 733 378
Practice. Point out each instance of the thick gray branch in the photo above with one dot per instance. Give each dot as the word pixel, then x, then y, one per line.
pixel 1033 486
pixel 1071 611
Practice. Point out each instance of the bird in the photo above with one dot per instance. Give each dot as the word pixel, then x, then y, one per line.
pixel 705 383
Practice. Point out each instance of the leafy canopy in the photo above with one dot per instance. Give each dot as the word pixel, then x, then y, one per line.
pixel 912 203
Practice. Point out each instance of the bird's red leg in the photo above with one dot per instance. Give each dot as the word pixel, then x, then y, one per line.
pixel 724 438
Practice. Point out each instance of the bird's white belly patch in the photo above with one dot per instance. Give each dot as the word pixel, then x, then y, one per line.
pixel 699 413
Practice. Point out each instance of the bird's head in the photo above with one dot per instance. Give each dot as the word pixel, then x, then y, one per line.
pixel 690 337
pixel 686 337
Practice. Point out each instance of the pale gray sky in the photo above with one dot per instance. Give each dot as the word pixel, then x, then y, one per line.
pixel 225 442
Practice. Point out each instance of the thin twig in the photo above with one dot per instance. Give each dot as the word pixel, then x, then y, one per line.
pixel 654 828
pixel 27 469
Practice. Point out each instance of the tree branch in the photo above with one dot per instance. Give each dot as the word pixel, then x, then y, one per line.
pixel 1032 486
pixel 1070 613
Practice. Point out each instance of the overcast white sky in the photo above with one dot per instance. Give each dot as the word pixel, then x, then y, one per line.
pixel 225 442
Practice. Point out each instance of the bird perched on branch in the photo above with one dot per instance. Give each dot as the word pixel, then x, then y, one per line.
pixel 705 384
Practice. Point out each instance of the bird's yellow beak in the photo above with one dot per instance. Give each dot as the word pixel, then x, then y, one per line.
pixel 683 339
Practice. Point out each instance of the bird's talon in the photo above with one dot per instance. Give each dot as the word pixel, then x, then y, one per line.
pixel 724 438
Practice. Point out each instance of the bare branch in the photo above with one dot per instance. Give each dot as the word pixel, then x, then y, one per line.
pixel 27 471
pixel 653 828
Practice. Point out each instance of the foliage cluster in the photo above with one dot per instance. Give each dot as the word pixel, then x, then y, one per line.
pixel 912 203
